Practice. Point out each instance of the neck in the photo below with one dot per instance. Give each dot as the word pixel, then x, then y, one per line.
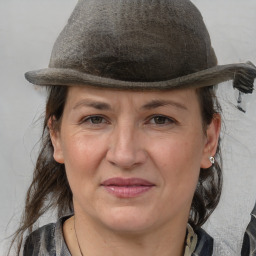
pixel 95 240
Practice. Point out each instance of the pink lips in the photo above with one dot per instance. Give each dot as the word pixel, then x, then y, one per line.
pixel 127 188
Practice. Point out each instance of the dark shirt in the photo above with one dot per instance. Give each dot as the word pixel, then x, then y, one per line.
pixel 249 242
pixel 49 241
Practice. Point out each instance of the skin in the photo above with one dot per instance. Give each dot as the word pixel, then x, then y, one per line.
pixel 154 135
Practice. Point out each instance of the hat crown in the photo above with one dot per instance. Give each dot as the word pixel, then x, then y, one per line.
pixel 134 40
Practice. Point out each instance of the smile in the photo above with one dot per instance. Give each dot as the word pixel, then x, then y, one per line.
pixel 127 188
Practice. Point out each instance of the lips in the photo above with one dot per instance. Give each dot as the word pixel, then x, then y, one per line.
pixel 127 188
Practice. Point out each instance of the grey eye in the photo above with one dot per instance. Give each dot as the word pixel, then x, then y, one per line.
pixel 96 119
pixel 161 120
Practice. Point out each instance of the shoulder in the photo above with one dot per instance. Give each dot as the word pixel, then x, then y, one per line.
pixel 47 240
pixel 41 241
pixel 204 245
pixel 249 241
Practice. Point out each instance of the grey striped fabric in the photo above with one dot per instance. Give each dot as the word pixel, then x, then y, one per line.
pixel 49 241
pixel 249 242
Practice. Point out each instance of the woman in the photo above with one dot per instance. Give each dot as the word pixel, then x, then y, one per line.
pixel 130 152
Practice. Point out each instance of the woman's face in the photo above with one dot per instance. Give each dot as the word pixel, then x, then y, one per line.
pixel 133 158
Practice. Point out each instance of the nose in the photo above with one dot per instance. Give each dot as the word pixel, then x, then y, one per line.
pixel 126 147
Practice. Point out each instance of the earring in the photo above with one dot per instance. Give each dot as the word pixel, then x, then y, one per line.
pixel 212 160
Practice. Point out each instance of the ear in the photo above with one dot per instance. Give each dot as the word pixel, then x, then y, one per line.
pixel 212 133
pixel 56 141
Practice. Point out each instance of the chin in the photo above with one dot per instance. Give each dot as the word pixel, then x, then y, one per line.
pixel 128 220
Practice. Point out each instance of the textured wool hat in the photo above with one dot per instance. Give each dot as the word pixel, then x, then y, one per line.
pixel 138 44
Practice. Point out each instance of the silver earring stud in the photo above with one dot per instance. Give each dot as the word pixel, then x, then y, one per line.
pixel 212 160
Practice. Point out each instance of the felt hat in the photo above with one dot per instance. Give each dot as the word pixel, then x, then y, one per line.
pixel 138 44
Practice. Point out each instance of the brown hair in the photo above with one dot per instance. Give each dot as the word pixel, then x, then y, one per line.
pixel 50 189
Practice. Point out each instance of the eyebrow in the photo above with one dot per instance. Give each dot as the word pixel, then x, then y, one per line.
pixel 150 105
pixel 162 103
pixel 93 104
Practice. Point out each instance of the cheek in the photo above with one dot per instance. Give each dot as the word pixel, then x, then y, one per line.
pixel 178 161
pixel 179 152
pixel 82 156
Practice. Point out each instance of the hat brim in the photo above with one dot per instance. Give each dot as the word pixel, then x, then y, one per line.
pixel 243 75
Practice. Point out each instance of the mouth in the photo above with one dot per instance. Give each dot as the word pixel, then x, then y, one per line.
pixel 127 188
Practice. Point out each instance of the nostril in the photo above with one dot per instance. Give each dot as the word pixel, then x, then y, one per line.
pixel 126 160
pixel 123 165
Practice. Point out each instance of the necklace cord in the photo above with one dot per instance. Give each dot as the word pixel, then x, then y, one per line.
pixel 77 238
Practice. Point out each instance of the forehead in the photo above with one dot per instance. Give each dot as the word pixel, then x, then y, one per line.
pixel 186 97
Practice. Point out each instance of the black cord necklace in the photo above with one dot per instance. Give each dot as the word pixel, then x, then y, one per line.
pixel 77 238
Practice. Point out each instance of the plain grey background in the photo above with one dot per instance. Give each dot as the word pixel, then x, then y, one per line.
pixel 28 29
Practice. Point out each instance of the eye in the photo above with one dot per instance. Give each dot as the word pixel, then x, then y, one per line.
pixel 161 120
pixel 94 120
